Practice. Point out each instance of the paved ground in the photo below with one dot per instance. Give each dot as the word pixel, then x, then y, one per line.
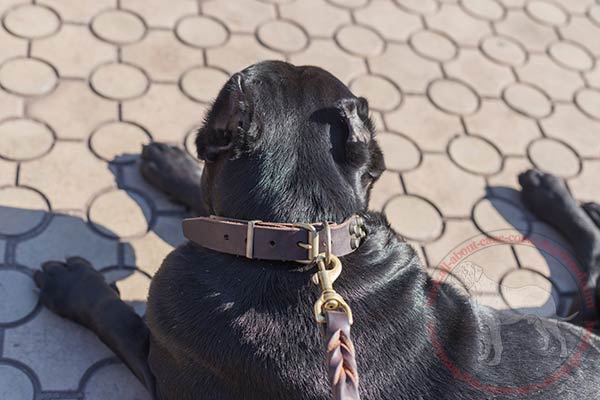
pixel 465 94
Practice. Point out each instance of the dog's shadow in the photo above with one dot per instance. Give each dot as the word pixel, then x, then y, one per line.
pixel 543 252
pixel 33 236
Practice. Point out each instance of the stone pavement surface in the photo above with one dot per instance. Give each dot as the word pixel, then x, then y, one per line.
pixel 465 94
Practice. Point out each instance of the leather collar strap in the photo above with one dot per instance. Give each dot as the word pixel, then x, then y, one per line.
pixel 274 241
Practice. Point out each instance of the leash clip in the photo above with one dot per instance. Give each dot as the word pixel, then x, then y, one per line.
pixel 329 299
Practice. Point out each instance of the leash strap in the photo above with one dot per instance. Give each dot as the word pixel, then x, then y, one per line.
pixel 341 357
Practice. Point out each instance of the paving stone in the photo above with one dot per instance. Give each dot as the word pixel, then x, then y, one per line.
pixel 528 100
pixel 360 40
pixel 28 76
pixel 350 4
pixel 594 13
pixel 282 36
pixel 406 68
pixel 460 26
pixel 201 31
pixel 325 54
pixel 533 35
pixel 453 96
pixel 120 214
pixel 424 7
pixel 574 128
pixel 158 13
pixel 239 52
pixel 584 32
pixel 485 9
pixel 73 110
pixel 433 45
pixel 400 153
pixel 377 120
pixel 495 259
pixel 8 172
pixel 584 187
pixel 554 157
pixel 593 77
pixel 427 126
pixel 507 179
pixel 58 351
pixel 529 292
pixel 547 12
pixel 119 26
pixel 475 155
pixel 389 20
pixel 24 139
pixel 571 55
pixel 456 232
pixel 119 81
pixel 382 94
pixel 131 178
pixel 14 383
pixel 189 143
pixel 414 218
pixel 164 112
pixel 68 176
pixel 21 209
pixel 17 296
pixel 453 190
pixel 588 101
pixel 389 51
pixel 322 23
pixel 576 6
pixel 114 382
pixel 10 106
pixel 504 50
pixel 496 217
pixel 148 252
pixel 240 15
pixel 164 57
pixel 384 189
pixel 203 83
pixel 76 10
pixel 66 236
pixel 11 46
pixel 540 256
pixel 133 287
pixel 118 141
pixel 486 77
pixel 31 21
pixel 68 51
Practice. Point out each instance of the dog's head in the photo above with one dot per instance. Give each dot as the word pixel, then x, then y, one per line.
pixel 287 143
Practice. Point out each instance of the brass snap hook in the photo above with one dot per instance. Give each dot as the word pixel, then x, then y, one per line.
pixel 329 299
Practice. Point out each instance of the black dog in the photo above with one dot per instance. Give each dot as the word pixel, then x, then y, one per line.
pixel 278 147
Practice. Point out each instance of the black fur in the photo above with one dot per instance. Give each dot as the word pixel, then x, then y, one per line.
pixel 280 144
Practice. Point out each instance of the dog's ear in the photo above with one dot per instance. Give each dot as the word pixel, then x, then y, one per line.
pixel 228 119
pixel 355 112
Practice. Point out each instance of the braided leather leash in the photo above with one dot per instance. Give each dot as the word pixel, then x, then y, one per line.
pixel 334 313
pixel 341 357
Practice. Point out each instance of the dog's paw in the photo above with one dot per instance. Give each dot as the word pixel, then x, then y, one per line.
pixel 71 289
pixel 543 192
pixel 172 171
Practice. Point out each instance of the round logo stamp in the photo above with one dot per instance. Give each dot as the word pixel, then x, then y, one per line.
pixel 533 307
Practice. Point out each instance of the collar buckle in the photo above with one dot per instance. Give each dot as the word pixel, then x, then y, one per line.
pixel 312 243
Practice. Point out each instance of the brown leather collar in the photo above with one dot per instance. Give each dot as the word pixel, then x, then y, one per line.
pixel 274 241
